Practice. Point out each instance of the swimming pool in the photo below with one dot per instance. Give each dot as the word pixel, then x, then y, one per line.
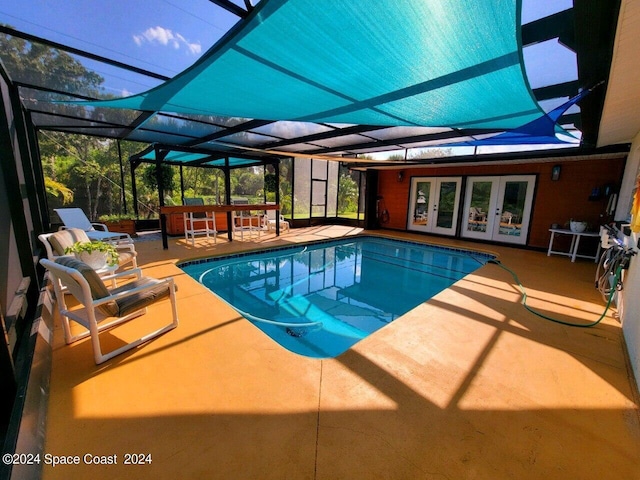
pixel 320 299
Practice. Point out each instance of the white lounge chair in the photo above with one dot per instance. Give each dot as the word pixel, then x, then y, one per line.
pixel 76 218
pixel 99 303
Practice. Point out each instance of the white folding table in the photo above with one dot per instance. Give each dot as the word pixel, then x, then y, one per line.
pixel 575 243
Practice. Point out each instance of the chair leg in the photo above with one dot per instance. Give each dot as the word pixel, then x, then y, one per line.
pixel 62 310
pixel 101 358
pixel 66 328
pixel 156 333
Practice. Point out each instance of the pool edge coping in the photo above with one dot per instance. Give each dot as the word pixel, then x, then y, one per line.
pixel 212 258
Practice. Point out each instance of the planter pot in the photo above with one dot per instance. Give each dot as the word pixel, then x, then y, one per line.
pixel 577 227
pixel 95 260
pixel 148 224
pixel 122 226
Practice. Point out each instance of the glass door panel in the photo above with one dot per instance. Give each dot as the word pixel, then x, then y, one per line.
pixel 480 198
pixel 420 201
pixel 445 209
pixel 479 204
pixel 318 198
pixel 434 205
pixel 514 209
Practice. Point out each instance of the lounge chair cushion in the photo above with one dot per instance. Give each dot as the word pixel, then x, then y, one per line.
pixel 97 286
pixel 125 256
pixel 65 238
pixel 140 300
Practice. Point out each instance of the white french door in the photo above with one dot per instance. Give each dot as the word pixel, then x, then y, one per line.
pixel 498 208
pixel 434 204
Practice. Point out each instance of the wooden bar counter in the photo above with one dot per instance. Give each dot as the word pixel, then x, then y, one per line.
pixel 166 211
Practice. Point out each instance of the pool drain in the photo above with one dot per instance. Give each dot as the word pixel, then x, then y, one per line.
pixel 297 332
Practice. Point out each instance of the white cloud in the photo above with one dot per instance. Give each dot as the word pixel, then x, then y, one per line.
pixel 194 48
pixel 164 36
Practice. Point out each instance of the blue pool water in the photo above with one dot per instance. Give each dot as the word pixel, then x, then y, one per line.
pixel 318 300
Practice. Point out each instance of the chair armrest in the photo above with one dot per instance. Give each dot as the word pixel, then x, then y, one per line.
pixel 124 240
pixel 100 226
pixel 127 273
pixel 126 246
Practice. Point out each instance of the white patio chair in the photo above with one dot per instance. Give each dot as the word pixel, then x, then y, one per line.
pixel 76 218
pixel 55 244
pixel 477 215
pixel 244 221
pixel 507 217
pixel 271 221
pixel 98 303
pixel 199 223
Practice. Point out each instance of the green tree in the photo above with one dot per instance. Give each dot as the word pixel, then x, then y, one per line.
pixel 42 65
pixel 431 153
pixel 82 168
pixel 286 193
pixel 270 182
pixel 57 70
pixel 81 164
pixel 57 189
pixel 347 194
pixel 150 178
pixel 416 155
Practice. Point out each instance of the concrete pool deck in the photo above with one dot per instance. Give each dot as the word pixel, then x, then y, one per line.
pixel 467 385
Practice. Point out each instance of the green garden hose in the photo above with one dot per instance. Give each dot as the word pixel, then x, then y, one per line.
pixel 562 322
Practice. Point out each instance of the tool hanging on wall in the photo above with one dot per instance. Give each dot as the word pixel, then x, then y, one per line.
pixel 382 212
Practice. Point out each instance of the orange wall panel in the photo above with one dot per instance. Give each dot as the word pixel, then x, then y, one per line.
pixel 554 201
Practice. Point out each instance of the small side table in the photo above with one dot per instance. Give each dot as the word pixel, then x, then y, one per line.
pixel 575 242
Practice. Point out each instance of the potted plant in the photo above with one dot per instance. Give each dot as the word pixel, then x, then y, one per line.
pixel 96 254
pixel 121 223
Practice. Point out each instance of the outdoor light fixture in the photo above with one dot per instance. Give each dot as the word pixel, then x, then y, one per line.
pixel 555 172
pixel 400 175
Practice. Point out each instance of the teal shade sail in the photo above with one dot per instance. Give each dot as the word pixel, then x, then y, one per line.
pixel 453 63
pixel 187 158
pixel 175 156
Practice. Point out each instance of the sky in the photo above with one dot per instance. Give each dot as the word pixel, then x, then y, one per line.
pixel 162 36
pixel 168 36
